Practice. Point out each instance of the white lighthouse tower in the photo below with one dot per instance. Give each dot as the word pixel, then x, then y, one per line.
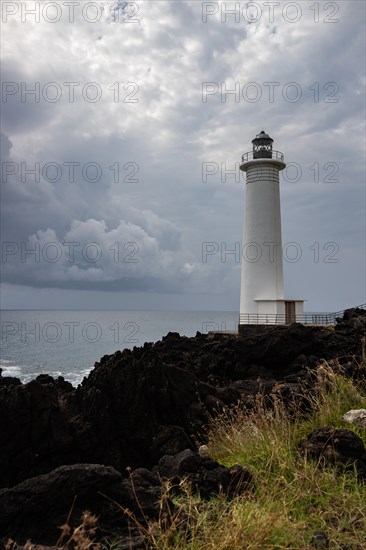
pixel 262 300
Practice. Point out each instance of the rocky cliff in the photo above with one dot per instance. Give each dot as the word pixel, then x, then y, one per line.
pixel 137 406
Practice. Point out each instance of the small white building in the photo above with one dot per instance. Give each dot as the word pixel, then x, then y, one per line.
pixel 262 299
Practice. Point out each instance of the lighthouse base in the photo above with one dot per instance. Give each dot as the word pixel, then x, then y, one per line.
pixel 273 312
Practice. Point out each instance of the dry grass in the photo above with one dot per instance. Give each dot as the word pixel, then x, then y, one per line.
pixel 292 499
pixel 79 538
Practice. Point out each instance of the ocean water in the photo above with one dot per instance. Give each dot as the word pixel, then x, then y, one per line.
pixel 68 343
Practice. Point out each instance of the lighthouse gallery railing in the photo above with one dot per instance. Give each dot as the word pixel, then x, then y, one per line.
pixel 254 155
pixel 305 318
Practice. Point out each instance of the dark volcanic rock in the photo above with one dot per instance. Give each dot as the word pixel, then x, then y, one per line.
pixel 352 317
pixel 129 406
pixel 205 475
pixel 36 508
pixel 168 441
pixel 34 432
pixel 336 446
pixel 139 405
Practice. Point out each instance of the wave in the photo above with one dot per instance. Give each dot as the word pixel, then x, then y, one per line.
pixel 9 368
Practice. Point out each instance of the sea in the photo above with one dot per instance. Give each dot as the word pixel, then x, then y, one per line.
pixel 69 343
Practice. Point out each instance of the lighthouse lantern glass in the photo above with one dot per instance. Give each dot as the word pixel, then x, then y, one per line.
pixel 262 146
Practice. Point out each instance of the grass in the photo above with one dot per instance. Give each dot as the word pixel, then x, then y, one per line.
pixel 293 498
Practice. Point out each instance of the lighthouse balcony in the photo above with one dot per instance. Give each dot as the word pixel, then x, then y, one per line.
pixel 283 319
pixel 263 154
pixel 316 318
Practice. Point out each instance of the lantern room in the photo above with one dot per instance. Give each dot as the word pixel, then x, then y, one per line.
pixel 262 146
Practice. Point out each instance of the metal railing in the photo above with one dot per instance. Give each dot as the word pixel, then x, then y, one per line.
pixel 321 319
pixel 254 155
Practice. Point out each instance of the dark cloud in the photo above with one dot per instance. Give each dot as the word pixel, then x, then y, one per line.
pixel 159 143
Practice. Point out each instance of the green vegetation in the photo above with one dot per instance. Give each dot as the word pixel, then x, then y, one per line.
pixel 293 498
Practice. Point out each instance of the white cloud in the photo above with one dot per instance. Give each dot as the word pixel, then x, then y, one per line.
pixel 170 131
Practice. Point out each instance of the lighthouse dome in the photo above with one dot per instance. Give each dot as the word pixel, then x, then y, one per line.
pixel 262 135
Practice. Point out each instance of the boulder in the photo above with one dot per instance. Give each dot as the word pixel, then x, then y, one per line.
pixel 332 446
pixel 206 476
pixel 35 509
pixel 356 417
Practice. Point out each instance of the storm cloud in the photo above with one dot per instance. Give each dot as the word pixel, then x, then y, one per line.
pixel 122 131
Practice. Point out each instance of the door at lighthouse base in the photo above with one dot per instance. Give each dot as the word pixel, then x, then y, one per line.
pixel 290 312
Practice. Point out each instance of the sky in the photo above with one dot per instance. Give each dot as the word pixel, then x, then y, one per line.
pixel 123 126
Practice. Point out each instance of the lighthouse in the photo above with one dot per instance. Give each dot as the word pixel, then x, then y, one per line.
pixel 262 299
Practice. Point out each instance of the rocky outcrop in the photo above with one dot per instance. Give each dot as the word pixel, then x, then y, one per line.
pixel 138 405
pixel 145 409
pixel 36 508
pixel 332 446
pixel 35 431
pixel 206 476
